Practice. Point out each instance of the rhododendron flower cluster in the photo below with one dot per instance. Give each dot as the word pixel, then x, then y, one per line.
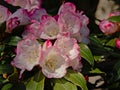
pixel 61 34
pixel 108 27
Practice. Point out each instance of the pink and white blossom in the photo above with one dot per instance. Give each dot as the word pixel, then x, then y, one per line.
pixel 34 28
pixel 53 62
pixel 84 31
pixel 4 14
pixel 25 4
pixel 69 47
pixel 69 22
pixel 20 17
pixel 108 27
pixel 73 22
pixel 118 43
pixel 65 7
pixel 36 14
pixel 28 54
pixel 50 27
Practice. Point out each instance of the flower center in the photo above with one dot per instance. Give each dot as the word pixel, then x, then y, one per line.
pixel 50 63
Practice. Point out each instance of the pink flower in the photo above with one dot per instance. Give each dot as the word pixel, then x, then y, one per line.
pixel 70 22
pixel 50 27
pixel 74 22
pixel 4 14
pixel 118 43
pixel 26 4
pixel 69 47
pixel 65 7
pixel 53 62
pixel 34 28
pixel 28 54
pixel 114 14
pixel 36 14
pixel 84 31
pixel 108 27
pixel 20 17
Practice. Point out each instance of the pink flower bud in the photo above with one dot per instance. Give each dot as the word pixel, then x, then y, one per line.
pixel 118 43
pixel 108 27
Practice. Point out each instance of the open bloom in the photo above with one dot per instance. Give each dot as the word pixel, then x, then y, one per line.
pixel 73 22
pixel 26 4
pixel 53 62
pixel 28 54
pixel 50 27
pixel 69 47
pixel 108 27
pixel 4 14
pixel 20 17
pixel 118 43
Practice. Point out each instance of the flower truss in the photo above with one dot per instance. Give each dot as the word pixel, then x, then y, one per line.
pixel 66 29
pixel 51 52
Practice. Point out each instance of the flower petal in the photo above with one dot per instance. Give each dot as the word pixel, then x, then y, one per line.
pixel 28 54
pixel 53 63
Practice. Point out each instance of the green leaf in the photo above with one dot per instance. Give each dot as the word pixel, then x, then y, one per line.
pixel 95 41
pixel 14 40
pixel 86 53
pixel 114 19
pixel 111 42
pixel 7 86
pixel 6 68
pixel 36 82
pixel 62 84
pixel 99 58
pixel 97 71
pixel 76 78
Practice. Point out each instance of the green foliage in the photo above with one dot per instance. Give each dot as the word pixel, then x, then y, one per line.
pixel 86 53
pixel 14 40
pixel 7 86
pixel 62 84
pixel 77 79
pixel 114 19
pixel 36 82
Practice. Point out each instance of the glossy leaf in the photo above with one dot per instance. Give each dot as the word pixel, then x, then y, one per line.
pixel 86 53
pixel 111 42
pixel 76 78
pixel 97 71
pixel 6 68
pixel 114 19
pixel 62 84
pixel 36 82
pixel 14 40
